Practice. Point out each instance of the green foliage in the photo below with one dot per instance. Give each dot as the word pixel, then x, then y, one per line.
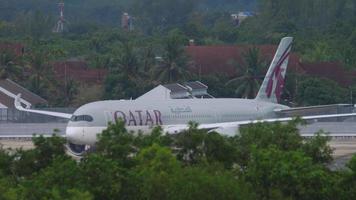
pixel 25 163
pixel 5 162
pixel 159 15
pixel 218 87
pixel 101 176
pixel 323 31
pixel 48 149
pixel 219 149
pixel 200 182
pixel 267 161
pixel 248 84
pixel 116 143
pixel 118 86
pixel 157 159
pixel 174 64
pixel 347 181
pixel 284 137
pixel 53 182
pixel 9 65
pixel 191 143
pixel 40 79
pixel 158 168
pixel 156 137
pixel 314 91
pixel 290 173
pixel 318 149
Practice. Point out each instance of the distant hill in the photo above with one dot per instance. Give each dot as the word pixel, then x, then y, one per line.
pixel 103 11
pixel 229 5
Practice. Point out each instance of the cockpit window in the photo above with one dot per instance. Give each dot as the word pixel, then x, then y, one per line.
pixel 86 118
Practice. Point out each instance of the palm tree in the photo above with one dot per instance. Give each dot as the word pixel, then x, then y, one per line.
pixel 127 63
pixel 248 84
pixel 40 72
pixel 8 66
pixel 174 64
pixel 70 90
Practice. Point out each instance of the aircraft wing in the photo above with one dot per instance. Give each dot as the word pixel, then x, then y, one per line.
pixel 229 128
pixel 55 114
pixel 311 109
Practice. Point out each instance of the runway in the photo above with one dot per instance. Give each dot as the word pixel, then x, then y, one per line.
pixel 335 128
pixel 343 146
pixel 9 129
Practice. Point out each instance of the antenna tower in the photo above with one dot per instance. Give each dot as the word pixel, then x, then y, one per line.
pixel 59 28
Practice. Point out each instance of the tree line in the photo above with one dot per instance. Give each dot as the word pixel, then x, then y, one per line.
pixel 265 161
pixel 154 52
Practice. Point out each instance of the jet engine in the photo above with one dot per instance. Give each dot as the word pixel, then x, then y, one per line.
pixel 76 149
pixel 227 131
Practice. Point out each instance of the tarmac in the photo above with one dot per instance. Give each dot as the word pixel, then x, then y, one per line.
pixel 31 128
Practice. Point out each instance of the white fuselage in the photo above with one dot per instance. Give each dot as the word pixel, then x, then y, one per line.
pixel 142 115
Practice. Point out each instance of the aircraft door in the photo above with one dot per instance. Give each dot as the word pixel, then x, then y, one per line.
pixel 109 116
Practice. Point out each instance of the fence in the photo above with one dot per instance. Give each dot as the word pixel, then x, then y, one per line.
pixel 12 115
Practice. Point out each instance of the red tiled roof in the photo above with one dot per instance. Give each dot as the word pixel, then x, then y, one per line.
pixel 222 59
pixel 330 70
pixel 15 89
pixel 17 49
pixel 78 71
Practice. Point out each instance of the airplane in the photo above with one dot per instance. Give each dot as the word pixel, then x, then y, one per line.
pixel 221 115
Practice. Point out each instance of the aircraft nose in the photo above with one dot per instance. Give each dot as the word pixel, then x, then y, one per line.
pixel 74 134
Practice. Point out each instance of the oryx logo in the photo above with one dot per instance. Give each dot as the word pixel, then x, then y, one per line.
pixel 277 79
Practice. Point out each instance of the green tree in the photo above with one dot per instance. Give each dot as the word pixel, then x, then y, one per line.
pixel 217 86
pixel 261 135
pixel 128 61
pixel 101 176
pixel 159 15
pixel 70 90
pixel 55 180
pixel 315 91
pixel 116 143
pixel 9 67
pixel 285 137
pixel 318 149
pixel 48 149
pixel 119 86
pixel 347 181
pixel 321 51
pixel 40 79
pixel 209 183
pixel 155 167
pixel 174 64
pixel 277 174
pixel 155 137
pixel 191 144
pixel 224 30
pixel 5 162
pixel 249 83
pixel 220 149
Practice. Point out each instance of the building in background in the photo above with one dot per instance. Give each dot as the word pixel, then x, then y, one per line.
pixel 9 90
pixel 126 22
pixel 14 48
pixel 238 18
pixel 79 71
